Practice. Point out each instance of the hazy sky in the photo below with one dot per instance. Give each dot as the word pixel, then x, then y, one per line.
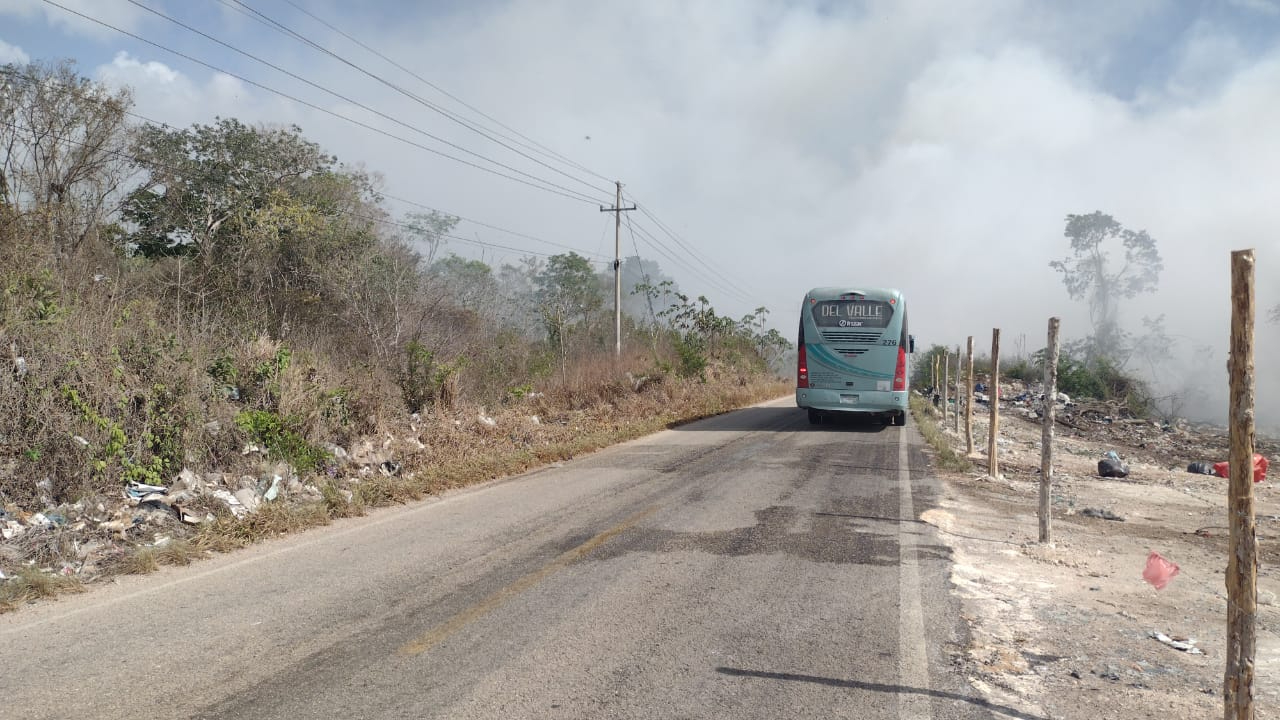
pixel 933 146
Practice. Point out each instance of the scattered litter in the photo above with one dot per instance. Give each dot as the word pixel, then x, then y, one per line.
pixel 1201 468
pixel 274 491
pixel 1260 464
pixel 1112 467
pixel 1187 645
pixel 1159 571
pixel 11 529
pixel 249 498
pixel 389 468
pixel 250 449
pixel 233 503
pixel 486 420
pixel 142 490
pixel 79 441
pixel 118 526
pixel 1101 513
pixel 192 518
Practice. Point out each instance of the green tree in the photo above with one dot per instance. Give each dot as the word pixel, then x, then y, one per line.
pixel 430 229
pixel 467 283
pixel 204 183
pixel 1091 273
pixel 567 294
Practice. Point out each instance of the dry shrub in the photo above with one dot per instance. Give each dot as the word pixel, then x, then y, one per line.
pixel 178 552
pixel 270 519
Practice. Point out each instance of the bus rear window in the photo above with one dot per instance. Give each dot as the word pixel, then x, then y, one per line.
pixel 852 313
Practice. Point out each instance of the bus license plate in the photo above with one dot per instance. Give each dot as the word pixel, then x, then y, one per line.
pixel 848 399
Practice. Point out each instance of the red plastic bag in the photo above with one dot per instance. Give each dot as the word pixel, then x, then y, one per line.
pixel 1159 571
pixel 1260 464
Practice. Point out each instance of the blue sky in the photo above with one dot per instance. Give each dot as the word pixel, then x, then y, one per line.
pixel 929 145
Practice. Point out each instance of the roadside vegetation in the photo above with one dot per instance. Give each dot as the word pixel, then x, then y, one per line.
pixel 926 417
pixel 232 300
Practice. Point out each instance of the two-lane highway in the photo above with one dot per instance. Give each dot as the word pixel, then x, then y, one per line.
pixel 749 565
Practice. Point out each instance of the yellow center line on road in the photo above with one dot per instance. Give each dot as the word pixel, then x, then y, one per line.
pixel 437 634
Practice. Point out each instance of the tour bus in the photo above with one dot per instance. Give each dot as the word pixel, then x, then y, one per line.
pixel 853 353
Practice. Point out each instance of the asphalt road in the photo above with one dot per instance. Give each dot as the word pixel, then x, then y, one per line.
pixel 746 566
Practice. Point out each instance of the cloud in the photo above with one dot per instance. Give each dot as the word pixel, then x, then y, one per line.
pixel 167 95
pixel 12 54
pixel 115 12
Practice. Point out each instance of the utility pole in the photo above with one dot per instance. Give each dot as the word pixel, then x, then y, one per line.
pixel 617 211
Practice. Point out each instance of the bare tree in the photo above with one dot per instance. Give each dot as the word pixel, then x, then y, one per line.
pixel 63 142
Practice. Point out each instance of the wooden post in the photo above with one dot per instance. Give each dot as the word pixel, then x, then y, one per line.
pixel 955 417
pixel 1046 433
pixel 946 380
pixel 1242 567
pixel 968 401
pixel 993 459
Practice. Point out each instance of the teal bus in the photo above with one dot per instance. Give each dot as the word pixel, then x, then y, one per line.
pixel 853 353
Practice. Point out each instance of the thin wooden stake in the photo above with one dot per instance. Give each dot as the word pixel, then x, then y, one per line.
pixel 946 381
pixel 1242 567
pixel 1046 433
pixel 955 417
pixel 968 401
pixel 993 459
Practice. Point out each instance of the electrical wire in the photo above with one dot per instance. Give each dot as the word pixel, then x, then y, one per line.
pixel 536 146
pixel 391 223
pixel 564 192
pixel 342 97
pixel 20 76
pixel 661 248
pixel 526 236
pixel 420 100
pixel 648 296
pixel 680 242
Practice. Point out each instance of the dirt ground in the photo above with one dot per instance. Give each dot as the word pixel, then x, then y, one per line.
pixel 1065 630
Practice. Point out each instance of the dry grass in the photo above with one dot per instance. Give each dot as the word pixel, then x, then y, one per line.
pixel 926 418
pixel 31 583
pixel 178 552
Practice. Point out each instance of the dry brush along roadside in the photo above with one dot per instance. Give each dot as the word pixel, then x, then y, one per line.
pixel 1072 629
pixel 52 549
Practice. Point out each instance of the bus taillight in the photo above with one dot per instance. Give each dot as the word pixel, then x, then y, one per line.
pixel 900 374
pixel 802 369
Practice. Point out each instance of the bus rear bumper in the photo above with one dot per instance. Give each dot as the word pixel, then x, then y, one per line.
pixel 851 401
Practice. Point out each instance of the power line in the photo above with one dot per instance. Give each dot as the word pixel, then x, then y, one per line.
pixel 344 98
pixel 20 76
pixel 416 98
pixel 683 245
pixel 526 236
pixel 127 156
pixel 553 188
pixel 653 316
pixel 670 254
pixel 535 144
